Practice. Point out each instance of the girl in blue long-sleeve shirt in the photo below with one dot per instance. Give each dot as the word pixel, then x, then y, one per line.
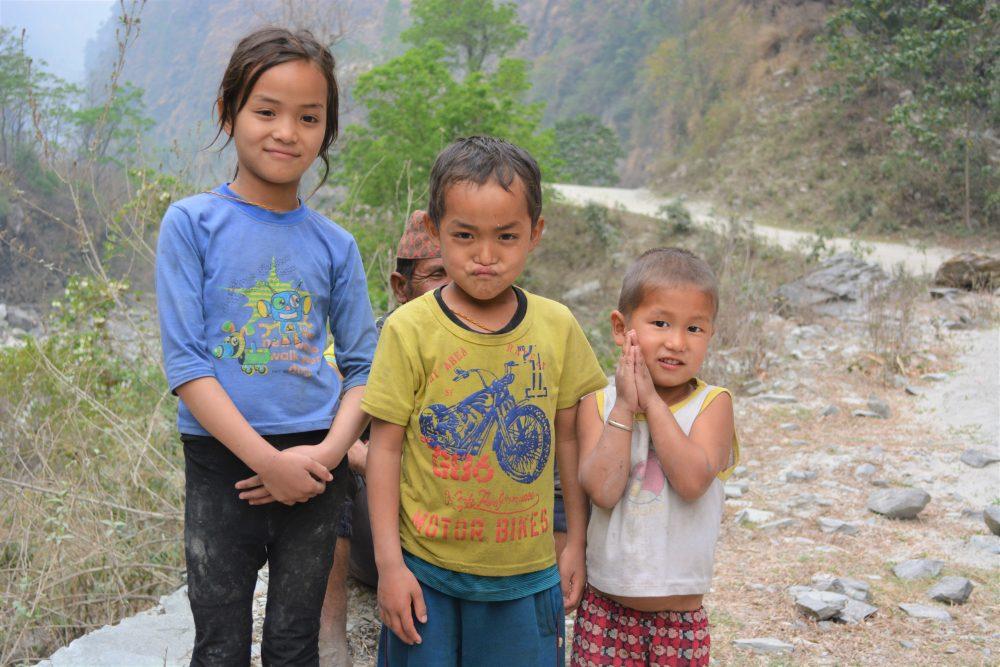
pixel 249 280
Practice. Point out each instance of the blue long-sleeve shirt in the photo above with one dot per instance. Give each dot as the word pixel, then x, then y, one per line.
pixel 246 295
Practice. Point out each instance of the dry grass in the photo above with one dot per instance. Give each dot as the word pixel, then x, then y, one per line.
pixel 755 567
pixel 90 486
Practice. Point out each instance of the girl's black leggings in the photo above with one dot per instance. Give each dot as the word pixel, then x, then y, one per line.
pixel 226 541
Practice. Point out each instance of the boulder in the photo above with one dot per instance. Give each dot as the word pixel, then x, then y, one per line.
pixel 750 515
pixel 970 271
pixel 925 611
pixel 918 568
pixel 852 588
pixel 854 612
pixel 828 525
pixel 952 590
pixel 898 503
pixel 991 516
pixel 764 645
pixel 879 406
pixel 820 605
pixel 837 288
pixel 978 458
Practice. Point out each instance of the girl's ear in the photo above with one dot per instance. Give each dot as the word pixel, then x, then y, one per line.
pixel 618 327
pixel 226 127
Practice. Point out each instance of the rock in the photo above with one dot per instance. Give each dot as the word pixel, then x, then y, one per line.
pixel 970 271
pixel 898 503
pixel 912 391
pixel 934 377
pixel 838 287
pixel 946 293
pixel 991 515
pixel 977 458
pixel 798 442
pixel 918 568
pixel 829 411
pixel 3 313
pixel 820 605
pixel 750 515
pixel 22 318
pixel 879 407
pixel 753 388
pixel 906 643
pixel 739 471
pixel 789 426
pixel 987 543
pixel 776 398
pixel 733 491
pixel 828 525
pixel 780 523
pixel 798 475
pixel 854 612
pixel 852 588
pixel 764 645
pixel 881 483
pixel 952 590
pixel 865 470
pixel 580 291
pixel 925 611
pixel 871 414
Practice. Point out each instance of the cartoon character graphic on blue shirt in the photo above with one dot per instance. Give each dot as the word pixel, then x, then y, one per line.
pixel 235 346
pixel 287 310
pixel 274 305
pixel 521 432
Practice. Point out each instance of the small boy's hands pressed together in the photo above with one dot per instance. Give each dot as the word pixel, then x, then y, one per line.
pixel 644 388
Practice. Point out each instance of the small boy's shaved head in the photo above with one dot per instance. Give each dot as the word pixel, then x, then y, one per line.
pixel 665 267
pixel 479 160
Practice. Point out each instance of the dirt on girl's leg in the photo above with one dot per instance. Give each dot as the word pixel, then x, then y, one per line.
pixel 333 650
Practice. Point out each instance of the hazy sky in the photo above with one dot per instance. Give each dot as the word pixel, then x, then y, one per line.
pixel 57 30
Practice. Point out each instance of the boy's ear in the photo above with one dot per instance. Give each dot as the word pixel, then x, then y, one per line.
pixel 431 229
pixel 618 327
pixel 399 287
pixel 536 232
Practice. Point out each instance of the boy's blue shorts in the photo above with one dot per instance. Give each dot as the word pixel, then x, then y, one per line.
pixel 528 631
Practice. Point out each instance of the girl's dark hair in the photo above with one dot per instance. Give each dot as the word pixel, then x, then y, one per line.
pixel 260 51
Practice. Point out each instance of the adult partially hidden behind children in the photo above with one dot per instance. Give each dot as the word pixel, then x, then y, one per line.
pixel 655 446
pixel 473 392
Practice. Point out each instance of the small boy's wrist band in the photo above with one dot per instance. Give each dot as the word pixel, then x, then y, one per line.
pixel 612 422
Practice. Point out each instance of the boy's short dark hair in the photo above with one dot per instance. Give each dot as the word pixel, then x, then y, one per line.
pixel 666 267
pixel 478 160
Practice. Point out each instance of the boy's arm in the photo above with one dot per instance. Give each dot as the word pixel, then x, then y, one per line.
pixel 399 596
pixel 690 462
pixel 572 562
pixel 289 477
pixel 605 452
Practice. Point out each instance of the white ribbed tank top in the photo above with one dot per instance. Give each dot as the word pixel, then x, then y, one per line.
pixel 653 543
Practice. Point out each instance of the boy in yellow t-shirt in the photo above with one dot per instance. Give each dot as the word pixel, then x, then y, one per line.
pixel 473 395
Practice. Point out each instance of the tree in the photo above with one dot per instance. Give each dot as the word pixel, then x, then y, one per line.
pixel 416 107
pixel 941 60
pixel 472 30
pixel 587 150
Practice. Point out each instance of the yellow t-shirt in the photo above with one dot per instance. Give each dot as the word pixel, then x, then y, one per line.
pixel 476 483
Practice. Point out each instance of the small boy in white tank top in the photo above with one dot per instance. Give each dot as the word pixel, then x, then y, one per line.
pixel 655 448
